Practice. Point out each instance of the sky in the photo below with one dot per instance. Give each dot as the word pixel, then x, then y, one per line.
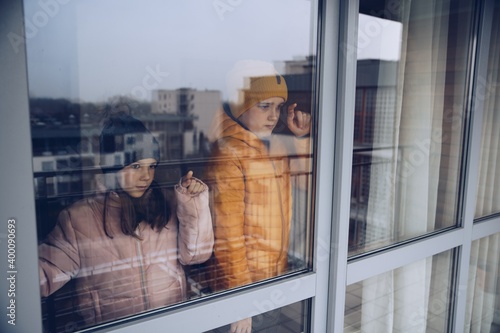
pixel 91 50
pixel 379 38
pixel 94 49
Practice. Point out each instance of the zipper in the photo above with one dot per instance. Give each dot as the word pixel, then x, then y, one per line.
pixel 141 269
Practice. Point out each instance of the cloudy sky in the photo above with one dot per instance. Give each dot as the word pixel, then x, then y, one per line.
pixel 94 49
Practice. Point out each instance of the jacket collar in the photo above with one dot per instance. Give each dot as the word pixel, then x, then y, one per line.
pixel 229 127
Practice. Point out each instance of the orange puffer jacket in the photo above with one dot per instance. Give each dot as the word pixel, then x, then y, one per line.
pixel 252 206
pixel 120 276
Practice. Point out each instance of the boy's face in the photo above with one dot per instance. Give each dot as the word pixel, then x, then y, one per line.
pixel 136 178
pixel 263 116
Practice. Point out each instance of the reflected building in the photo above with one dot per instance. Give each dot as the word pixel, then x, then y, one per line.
pixel 188 102
pixel 66 156
pixel 301 65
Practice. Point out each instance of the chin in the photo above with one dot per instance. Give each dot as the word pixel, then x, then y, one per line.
pixel 136 194
pixel 265 134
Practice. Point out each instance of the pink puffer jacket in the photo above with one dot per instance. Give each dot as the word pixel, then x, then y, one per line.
pixel 120 276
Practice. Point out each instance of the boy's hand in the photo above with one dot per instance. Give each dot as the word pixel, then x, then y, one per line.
pixel 242 326
pixel 298 122
pixel 193 186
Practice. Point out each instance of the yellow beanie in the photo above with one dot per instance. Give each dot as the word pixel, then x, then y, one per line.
pixel 258 89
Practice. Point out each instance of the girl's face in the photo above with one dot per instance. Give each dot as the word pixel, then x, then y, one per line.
pixel 135 178
pixel 263 116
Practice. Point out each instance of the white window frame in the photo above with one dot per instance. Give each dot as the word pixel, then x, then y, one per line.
pixel 325 286
pixel 459 238
pixel 17 177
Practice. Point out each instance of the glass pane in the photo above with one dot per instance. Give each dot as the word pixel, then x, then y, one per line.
pixel 127 98
pixel 289 319
pixel 413 298
pixel 483 292
pixel 488 194
pixel 409 119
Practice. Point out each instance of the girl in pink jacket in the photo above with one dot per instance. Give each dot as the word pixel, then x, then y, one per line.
pixel 124 246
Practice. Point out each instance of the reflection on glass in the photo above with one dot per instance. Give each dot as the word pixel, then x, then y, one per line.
pixel 251 176
pixel 408 119
pixel 483 292
pixel 413 298
pixel 166 65
pixel 289 319
pixel 488 196
pixel 124 246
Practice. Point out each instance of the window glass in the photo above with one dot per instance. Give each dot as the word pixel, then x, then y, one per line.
pixel 483 292
pixel 289 319
pixel 413 298
pixel 488 195
pixel 126 100
pixel 409 119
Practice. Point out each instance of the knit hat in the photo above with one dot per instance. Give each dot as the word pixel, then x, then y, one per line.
pixel 125 140
pixel 252 81
pixel 259 89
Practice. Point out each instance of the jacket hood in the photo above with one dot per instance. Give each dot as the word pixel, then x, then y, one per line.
pixel 226 127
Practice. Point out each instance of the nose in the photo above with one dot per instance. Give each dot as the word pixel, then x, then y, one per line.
pixel 275 113
pixel 146 173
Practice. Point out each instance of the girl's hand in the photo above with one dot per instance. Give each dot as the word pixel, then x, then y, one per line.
pixel 298 122
pixel 192 185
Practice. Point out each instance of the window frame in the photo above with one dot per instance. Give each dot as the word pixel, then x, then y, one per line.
pixel 461 236
pixel 326 285
pixel 16 177
pixel 20 205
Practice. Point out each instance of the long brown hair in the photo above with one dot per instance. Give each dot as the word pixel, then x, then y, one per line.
pixel 152 208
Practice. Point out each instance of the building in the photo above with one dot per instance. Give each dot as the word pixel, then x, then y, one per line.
pixel 201 104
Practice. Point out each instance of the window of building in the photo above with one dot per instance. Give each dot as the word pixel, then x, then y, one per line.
pixel 483 308
pixel 48 166
pixel 410 143
pixel 488 197
pixel 260 177
pixel 410 118
pixel 368 229
pixel 482 311
pixel 415 297
pixel 289 319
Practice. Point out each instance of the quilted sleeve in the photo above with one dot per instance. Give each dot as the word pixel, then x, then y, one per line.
pixel 58 256
pixel 195 237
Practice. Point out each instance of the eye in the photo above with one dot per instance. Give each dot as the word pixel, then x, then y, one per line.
pixel 135 166
pixel 264 106
pixel 153 166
